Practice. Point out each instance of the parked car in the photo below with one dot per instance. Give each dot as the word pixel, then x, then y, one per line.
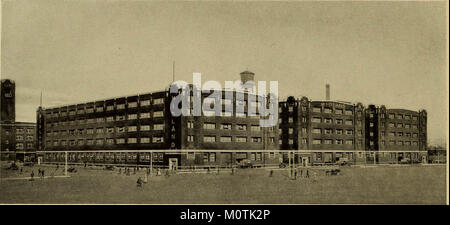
pixel 342 161
pixel 405 161
pixel 246 163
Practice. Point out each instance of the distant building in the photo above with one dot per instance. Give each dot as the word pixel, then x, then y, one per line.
pixel 16 137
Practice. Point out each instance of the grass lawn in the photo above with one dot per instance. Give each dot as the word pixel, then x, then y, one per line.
pixel 372 185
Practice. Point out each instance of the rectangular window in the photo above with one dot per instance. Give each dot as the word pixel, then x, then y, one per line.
pixel 120 117
pixel 158 126
pixel 328 110
pixel 328 120
pixel 109 108
pixel 225 126
pixel 158 139
pixel 212 157
pixel 99 141
pixel 90 131
pixel 241 139
pixel 339 121
pixel 317 120
pixel 209 126
pixel 109 130
pixel 349 122
pixel 349 132
pixel 145 102
pixel 317 109
pixel 132 116
pixel 132 104
pixel 109 119
pixel 120 129
pixel 90 142
pixel 157 101
pixel 328 131
pixel 349 112
pixel 132 140
pixel 328 141
pixel 121 106
pixel 349 142
pixel 190 138
pixel 339 141
pixel 317 141
pixel 145 140
pixel 145 127
pixel 132 128
pixel 225 139
pixel 256 139
pixel 144 115
pixel 190 124
pixel 317 131
pixel 158 114
pixel 241 127
pixel 120 140
pixel 110 141
pixel 209 138
pixel 255 128
pixel 339 111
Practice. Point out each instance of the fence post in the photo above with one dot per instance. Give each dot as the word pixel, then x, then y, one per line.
pixel 65 167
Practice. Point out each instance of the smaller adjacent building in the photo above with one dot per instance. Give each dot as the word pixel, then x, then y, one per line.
pixel 17 138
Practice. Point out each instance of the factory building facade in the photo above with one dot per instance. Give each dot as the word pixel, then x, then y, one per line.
pixel 146 122
pixel 325 127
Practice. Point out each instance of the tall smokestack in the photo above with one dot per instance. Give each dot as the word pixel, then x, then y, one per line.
pixel 327 86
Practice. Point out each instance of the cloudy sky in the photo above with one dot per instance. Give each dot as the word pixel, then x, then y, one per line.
pixel 370 52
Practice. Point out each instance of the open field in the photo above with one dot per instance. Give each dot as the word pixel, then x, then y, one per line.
pixel 372 185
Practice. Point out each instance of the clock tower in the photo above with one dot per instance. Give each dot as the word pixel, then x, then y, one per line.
pixel 7 101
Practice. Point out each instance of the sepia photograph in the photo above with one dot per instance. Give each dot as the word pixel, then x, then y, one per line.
pixel 111 102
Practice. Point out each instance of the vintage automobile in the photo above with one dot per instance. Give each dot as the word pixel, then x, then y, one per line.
pixel 245 163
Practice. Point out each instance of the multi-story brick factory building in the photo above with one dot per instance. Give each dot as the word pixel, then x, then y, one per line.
pixel 325 127
pixel 145 122
pixel 331 130
pixel 396 129
pixel 17 138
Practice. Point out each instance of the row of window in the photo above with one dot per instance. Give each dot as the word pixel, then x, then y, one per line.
pixel 225 126
pixel 108 141
pixel 398 134
pixel 401 143
pixel 21 131
pixel 142 115
pixel 337 111
pixel 323 120
pixel 401 116
pixel 20 145
pixel 119 106
pixel 108 130
pixel 28 138
pixel 330 131
pixel 323 141
pixel 401 125
pixel 227 139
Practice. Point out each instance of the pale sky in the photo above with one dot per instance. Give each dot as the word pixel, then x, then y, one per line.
pixel 391 53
